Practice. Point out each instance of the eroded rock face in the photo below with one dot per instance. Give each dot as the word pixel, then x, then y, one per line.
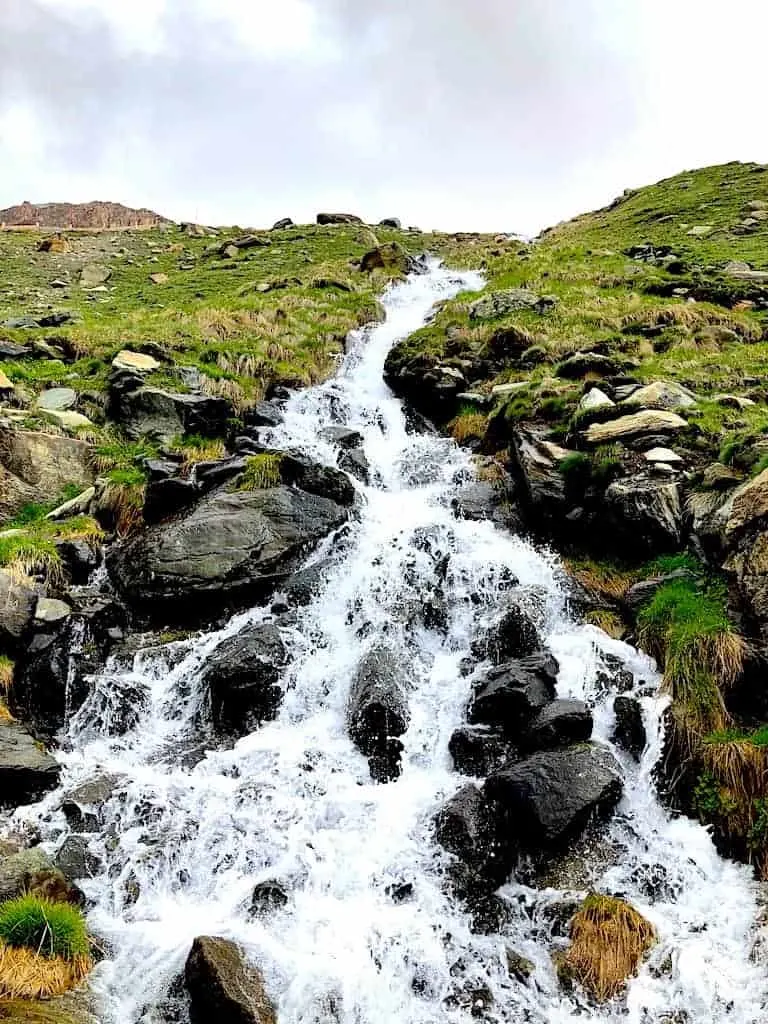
pixel 165 415
pixel 549 797
pixel 17 609
pixel 509 696
pixel 223 987
pixel 647 422
pixel 26 771
pixel 229 550
pixel 649 513
pixel 242 675
pixel 34 466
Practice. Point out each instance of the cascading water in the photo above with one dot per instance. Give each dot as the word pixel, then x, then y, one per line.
pixel 187 839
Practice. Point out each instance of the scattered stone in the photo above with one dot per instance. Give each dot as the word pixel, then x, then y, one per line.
pixel 6 384
pixel 67 419
pixel 138 361
pixel 50 611
pixel 479 750
pixel 230 251
pixel 10 350
pixel 734 401
pixel 390 257
pixel 498 304
pixel 75 859
pixel 26 771
pixel 377 712
pixel 593 400
pixel 56 399
pixel 158 278
pixel 649 421
pixel 701 230
pixel 662 394
pixel 341 436
pixel 268 897
pixel 58 283
pixel 665 455
pixel 57 244
pixel 391 222
pixel 509 696
pixel 94 274
pixel 281 225
pixel 223 987
pixel 506 390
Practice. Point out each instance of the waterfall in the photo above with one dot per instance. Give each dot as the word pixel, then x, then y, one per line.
pixel 189 833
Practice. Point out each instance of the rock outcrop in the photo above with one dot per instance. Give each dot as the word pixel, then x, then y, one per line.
pixel 223 987
pixel 79 215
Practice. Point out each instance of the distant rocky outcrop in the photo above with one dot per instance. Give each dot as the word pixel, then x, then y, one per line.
pixel 79 215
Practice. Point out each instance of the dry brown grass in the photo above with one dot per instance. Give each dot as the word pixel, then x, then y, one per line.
pixel 739 765
pixel 693 316
pixel 601 581
pixel 232 391
pixel 125 503
pixel 469 426
pixel 25 974
pixel 610 623
pixel 608 941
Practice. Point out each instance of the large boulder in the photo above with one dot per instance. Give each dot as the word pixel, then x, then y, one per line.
pixel 223 987
pixel 165 415
pixel 548 798
pixel 36 467
pixel 338 218
pixel 33 871
pixel 662 394
pixel 497 304
pixel 558 725
pixel 479 750
pixel 514 636
pixel 509 696
pixel 26 771
pixel 233 548
pixel 377 712
pixel 542 489
pixel 17 610
pixel 466 827
pixel 390 257
pixel 242 675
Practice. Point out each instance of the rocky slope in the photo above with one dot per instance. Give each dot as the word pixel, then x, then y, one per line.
pixel 610 378
pixel 83 216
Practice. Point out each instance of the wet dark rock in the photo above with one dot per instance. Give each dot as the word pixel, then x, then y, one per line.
pixel 26 771
pixel 647 515
pixel 143 410
pixel 33 872
pixel 268 897
pixel 228 551
pixel 479 750
pixel 80 559
pixel 550 797
pixel 511 695
pixel 518 967
pixel 223 987
pixel 401 892
pixel 282 224
pixel 542 487
pixel 629 730
pixel 495 502
pixel 384 765
pixel 75 860
pixel 344 437
pixel 304 584
pixel 467 827
pixel 210 475
pixel 83 806
pixel 557 725
pixel 263 414
pixel 616 676
pixel 377 712
pixel 242 676
pixel 300 471
pixel 356 464
pixel 164 498
pixel 513 636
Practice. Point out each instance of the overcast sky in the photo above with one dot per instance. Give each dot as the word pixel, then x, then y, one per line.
pixel 458 114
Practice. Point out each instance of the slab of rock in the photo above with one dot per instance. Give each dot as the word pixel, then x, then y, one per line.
pixel 6 384
pixel 479 750
pixel 228 551
pixel 510 696
pixel 158 278
pixel 629 729
pixel 647 422
pixel 498 304
pixel 338 218
pixel 665 455
pixel 650 512
pixel 662 394
pixel 57 399
pixel 11 350
pixel 390 257
pixel 734 401
pixel 747 506
pixel 505 390
pixel 242 676
pixel 26 771
pixel 94 274
pixel 49 611
pixel 166 415
pixel 549 798
pixel 139 361
pixel 67 419
pixel 282 224
pixel 223 987
pixel 76 506
pixel 344 437
pixel 701 230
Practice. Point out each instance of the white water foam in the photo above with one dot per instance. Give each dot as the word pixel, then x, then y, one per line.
pixel 185 845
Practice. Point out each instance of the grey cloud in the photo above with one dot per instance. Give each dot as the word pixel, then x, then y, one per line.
pixel 500 98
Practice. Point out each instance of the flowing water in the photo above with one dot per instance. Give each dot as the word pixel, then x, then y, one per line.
pixel 187 838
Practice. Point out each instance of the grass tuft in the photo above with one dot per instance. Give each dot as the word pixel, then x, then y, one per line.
pixel 48 928
pixel 608 941
pixel 261 472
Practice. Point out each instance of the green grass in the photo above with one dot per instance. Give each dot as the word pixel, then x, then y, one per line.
pixel 52 929
pixel 261 471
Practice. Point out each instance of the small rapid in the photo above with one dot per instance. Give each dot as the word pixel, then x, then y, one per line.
pixel 189 833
